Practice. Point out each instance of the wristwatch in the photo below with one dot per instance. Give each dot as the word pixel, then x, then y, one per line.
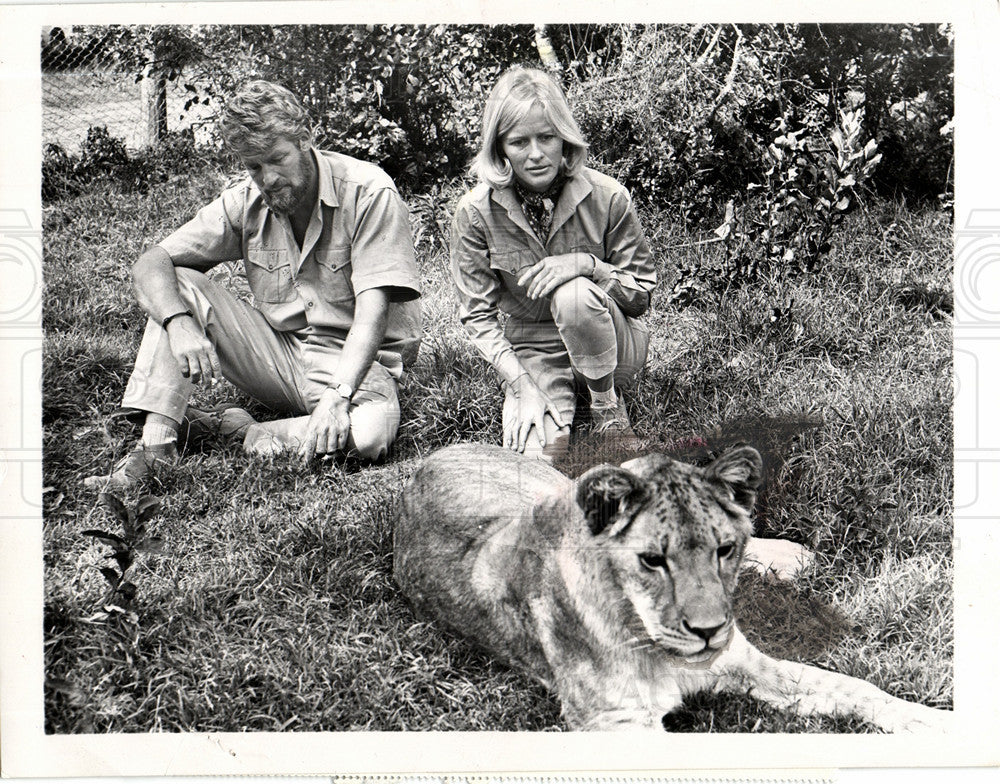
pixel 344 390
pixel 171 317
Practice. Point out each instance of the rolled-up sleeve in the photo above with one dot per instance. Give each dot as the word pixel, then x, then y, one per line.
pixel 213 235
pixel 626 272
pixel 479 293
pixel 382 247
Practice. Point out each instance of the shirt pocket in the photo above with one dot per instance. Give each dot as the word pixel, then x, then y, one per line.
pixel 334 265
pixel 269 275
pixel 512 262
pixel 595 248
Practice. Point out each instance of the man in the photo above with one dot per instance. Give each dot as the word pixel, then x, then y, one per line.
pixel 329 259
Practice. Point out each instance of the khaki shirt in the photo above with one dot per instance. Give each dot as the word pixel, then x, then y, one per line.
pixel 358 238
pixel 492 244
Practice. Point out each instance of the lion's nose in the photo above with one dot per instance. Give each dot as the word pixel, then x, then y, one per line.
pixel 705 632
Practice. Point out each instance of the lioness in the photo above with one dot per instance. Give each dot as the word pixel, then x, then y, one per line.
pixel 615 591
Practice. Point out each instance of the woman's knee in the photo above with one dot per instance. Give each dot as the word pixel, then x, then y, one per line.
pixel 577 298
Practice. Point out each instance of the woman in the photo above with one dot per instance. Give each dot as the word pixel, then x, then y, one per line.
pixel 556 247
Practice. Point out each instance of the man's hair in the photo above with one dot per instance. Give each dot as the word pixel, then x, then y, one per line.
pixel 261 113
pixel 510 100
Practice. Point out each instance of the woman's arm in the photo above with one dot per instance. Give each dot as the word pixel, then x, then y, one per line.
pixel 479 294
pixel 626 272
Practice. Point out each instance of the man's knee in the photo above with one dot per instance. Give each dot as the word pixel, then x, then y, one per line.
pixel 577 298
pixel 373 429
pixel 371 444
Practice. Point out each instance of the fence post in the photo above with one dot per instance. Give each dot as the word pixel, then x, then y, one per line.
pixel 154 100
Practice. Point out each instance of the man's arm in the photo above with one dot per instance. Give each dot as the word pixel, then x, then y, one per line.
pixel 330 422
pixel 155 285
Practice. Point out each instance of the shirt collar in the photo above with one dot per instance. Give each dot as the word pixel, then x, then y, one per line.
pixel 324 192
pixel 576 189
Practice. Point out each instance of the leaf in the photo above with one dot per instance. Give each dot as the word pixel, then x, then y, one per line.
pixel 124 559
pixel 146 507
pixel 114 503
pixel 127 591
pixel 110 575
pixel 844 203
pixel 109 538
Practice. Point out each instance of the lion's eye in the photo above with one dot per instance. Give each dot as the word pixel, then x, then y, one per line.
pixel 653 561
pixel 726 550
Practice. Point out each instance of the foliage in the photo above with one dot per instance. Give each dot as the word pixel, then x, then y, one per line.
pixel 104 159
pixel 125 547
pixel 680 113
pixel 405 96
pixel 684 115
pixel 903 75
pixel 787 227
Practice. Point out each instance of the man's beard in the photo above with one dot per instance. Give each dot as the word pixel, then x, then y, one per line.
pixel 287 198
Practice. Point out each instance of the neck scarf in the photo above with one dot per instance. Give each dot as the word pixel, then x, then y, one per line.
pixel 538 207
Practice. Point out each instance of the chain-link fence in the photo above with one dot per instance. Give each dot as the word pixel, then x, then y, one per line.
pixel 85 85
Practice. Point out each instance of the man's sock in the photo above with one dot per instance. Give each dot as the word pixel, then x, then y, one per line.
pixel 606 399
pixel 158 433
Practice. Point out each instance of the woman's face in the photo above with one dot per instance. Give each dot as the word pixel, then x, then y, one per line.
pixel 534 150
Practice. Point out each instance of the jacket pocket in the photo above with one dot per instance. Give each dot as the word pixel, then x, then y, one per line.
pixel 269 275
pixel 335 274
pixel 594 248
pixel 513 262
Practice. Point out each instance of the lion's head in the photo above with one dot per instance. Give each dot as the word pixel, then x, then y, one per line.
pixel 673 537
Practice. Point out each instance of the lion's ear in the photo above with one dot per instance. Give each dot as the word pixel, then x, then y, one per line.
pixel 602 493
pixel 741 469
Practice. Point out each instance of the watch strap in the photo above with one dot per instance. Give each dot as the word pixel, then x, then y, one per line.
pixel 170 318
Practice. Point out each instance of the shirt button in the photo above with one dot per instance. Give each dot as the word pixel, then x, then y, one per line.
pixel 309 304
pixel 270 266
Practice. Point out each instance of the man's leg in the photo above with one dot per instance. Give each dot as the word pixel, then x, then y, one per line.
pixel 374 407
pixel 252 356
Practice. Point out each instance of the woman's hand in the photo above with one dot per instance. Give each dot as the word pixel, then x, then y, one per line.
pixel 532 406
pixel 544 277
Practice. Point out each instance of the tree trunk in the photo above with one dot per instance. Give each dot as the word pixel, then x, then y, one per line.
pixel 545 51
pixel 154 101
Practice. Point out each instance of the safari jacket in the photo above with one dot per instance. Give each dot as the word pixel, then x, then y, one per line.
pixel 492 244
pixel 358 238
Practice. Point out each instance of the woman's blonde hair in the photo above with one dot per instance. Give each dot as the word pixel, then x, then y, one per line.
pixel 510 100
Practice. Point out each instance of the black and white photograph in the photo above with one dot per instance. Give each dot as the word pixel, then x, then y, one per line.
pixel 416 377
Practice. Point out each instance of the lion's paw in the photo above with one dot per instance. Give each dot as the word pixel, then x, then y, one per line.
pixel 777 558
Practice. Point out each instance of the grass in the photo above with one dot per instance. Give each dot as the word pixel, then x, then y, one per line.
pixel 274 608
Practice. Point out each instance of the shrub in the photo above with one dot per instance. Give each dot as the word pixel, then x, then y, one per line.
pixel 104 159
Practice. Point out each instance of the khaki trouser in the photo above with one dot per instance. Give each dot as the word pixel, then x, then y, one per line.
pixel 286 371
pixel 588 338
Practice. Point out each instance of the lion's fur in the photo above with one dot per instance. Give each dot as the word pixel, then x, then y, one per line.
pixel 545 574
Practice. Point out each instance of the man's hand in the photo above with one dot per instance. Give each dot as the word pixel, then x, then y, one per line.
pixel 194 352
pixel 533 404
pixel 328 427
pixel 544 277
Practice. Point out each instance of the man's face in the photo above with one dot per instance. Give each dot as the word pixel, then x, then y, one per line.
pixel 282 173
